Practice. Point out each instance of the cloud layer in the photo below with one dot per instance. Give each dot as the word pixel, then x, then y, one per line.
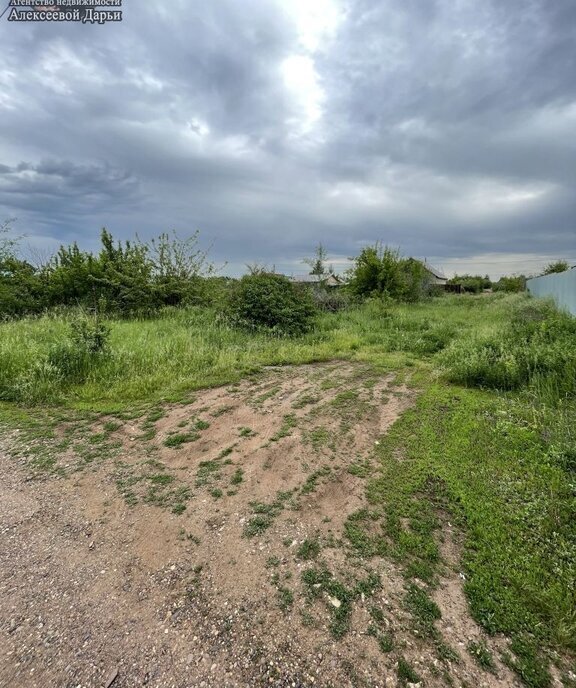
pixel 443 127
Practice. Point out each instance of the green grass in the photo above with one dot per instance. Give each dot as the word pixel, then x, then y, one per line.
pixel 311 481
pixel 237 477
pixel 178 439
pixel 406 673
pixel 288 424
pixel 482 655
pixel 496 466
pixel 207 472
pixel 182 350
pixel 338 597
pixel 424 610
pixel 309 549
pixel 490 444
pixel 265 514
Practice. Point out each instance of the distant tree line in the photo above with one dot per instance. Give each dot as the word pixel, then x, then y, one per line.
pixel 124 278
pixel 137 278
pixel 475 284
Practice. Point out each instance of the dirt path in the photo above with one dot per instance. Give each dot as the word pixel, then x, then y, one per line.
pixel 203 545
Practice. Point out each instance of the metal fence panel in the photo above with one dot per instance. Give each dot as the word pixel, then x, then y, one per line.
pixel 559 286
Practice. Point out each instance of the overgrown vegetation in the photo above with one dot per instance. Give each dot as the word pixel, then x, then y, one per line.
pixel 269 301
pixel 381 271
pixel 131 278
pixel 490 445
pixel 534 349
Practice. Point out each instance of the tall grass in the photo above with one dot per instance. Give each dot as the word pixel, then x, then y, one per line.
pixel 184 349
pixel 535 349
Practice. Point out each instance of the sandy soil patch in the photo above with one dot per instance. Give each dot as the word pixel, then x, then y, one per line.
pixel 207 547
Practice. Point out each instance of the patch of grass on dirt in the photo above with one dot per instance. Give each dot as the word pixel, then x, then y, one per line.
pixel 207 472
pixel 257 525
pixel 237 477
pixel 481 654
pixel 226 451
pixel 406 673
pixel 345 399
pixel 178 439
pixel 384 639
pixel 309 549
pixel 264 514
pixel 361 468
pixel 305 400
pixel 222 411
pixel 174 498
pixel 311 481
pixel 161 479
pixel 288 424
pixel 259 400
pixel 318 437
pixel 284 595
pixel 320 583
pixel 528 662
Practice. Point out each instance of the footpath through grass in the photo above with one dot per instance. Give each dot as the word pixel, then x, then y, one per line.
pixel 490 444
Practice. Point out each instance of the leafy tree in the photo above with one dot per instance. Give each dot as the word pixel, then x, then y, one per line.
pixel 381 271
pixel 21 291
pixel 70 277
pixel 556 266
pixel 513 283
pixel 179 267
pixel 20 287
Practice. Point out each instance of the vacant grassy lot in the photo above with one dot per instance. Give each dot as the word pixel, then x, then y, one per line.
pixel 403 508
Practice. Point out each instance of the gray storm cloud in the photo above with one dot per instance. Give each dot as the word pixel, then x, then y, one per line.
pixel 446 128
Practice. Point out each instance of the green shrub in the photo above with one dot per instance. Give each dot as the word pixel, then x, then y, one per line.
pixel 77 355
pixel 381 271
pixel 272 302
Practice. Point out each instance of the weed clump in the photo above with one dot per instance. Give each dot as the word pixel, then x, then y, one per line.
pixel 72 359
pixel 535 350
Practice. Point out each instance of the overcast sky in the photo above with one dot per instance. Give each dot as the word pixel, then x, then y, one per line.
pixel 446 128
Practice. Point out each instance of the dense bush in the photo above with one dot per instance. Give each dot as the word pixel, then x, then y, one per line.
pixel 21 288
pixel 555 267
pixel 511 284
pixel 270 301
pixel 381 271
pixel 81 351
pixel 537 349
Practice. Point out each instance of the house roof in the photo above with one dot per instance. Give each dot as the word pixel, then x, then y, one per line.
pixel 315 279
pixel 434 271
